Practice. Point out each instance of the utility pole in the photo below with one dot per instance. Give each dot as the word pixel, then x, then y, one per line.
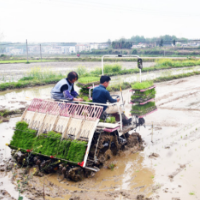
pixel 27 51
pixel 41 52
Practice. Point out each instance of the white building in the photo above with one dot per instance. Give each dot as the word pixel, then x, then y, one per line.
pixel 65 49
pixel 138 46
pixel 72 49
pixel 103 46
pixel 16 51
pixel 82 47
pixel 94 46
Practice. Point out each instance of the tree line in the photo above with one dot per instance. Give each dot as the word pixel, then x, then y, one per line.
pixel 124 43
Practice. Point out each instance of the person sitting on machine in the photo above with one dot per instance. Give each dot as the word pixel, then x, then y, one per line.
pixel 101 95
pixel 64 89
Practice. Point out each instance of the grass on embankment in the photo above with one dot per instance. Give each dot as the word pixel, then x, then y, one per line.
pixel 162 64
pixel 38 76
pixel 82 59
pixel 35 77
pixel 159 79
pixel 89 79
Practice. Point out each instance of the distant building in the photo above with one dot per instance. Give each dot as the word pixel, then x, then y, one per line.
pixel 15 51
pixel 94 46
pixel 82 47
pixel 103 46
pixel 72 49
pixel 140 45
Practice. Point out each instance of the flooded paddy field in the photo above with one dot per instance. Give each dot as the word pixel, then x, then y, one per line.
pixel 167 169
pixel 13 72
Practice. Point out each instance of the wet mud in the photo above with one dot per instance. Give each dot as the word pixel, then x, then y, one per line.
pixel 167 168
pixel 5 115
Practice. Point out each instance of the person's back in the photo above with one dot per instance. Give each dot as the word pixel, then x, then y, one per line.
pixel 100 94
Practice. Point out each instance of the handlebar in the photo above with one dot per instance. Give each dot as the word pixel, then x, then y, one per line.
pixel 115 96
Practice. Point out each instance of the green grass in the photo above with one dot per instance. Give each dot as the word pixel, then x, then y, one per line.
pixel 88 79
pixel 49 144
pixel 35 76
pixel 38 76
pixel 161 64
pixel 112 68
pixel 142 85
pixel 172 77
pixel 116 87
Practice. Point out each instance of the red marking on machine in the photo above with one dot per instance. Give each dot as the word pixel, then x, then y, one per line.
pixel 111 129
pixel 81 164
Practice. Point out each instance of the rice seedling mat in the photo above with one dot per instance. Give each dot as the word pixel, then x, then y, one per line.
pixel 143 98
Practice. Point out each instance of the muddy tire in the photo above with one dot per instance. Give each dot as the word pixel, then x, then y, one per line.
pixel 134 139
pixel 75 174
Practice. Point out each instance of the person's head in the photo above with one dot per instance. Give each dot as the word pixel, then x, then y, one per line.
pixel 72 77
pixel 104 80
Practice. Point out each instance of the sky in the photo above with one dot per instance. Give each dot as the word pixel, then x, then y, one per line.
pixel 96 20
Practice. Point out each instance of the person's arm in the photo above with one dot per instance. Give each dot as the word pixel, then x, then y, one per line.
pixel 109 98
pixel 73 92
pixel 67 95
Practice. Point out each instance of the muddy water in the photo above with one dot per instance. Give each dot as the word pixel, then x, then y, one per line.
pixel 14 99
pixel 176 137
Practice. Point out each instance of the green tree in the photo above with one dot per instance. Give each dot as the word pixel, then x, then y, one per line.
pixel 161 43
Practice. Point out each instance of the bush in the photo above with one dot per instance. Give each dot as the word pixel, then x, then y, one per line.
pixel 88 79
pixel 81 70
pixel 96 71
pixel 134 51
pixel 114 68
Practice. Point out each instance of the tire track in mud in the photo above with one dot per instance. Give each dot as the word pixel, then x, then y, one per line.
pixel 175 136
pixel 180 109
pixel 179 97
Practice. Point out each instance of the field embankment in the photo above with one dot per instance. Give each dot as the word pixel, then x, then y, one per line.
pixel 11 60
pixel 38 76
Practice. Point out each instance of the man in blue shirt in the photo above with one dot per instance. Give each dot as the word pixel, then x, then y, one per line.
pixel 101 95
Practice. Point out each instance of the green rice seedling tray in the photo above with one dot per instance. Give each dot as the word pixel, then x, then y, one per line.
pixel 144 112
pixel 143 109
pixel 48 144
pixel 143 86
